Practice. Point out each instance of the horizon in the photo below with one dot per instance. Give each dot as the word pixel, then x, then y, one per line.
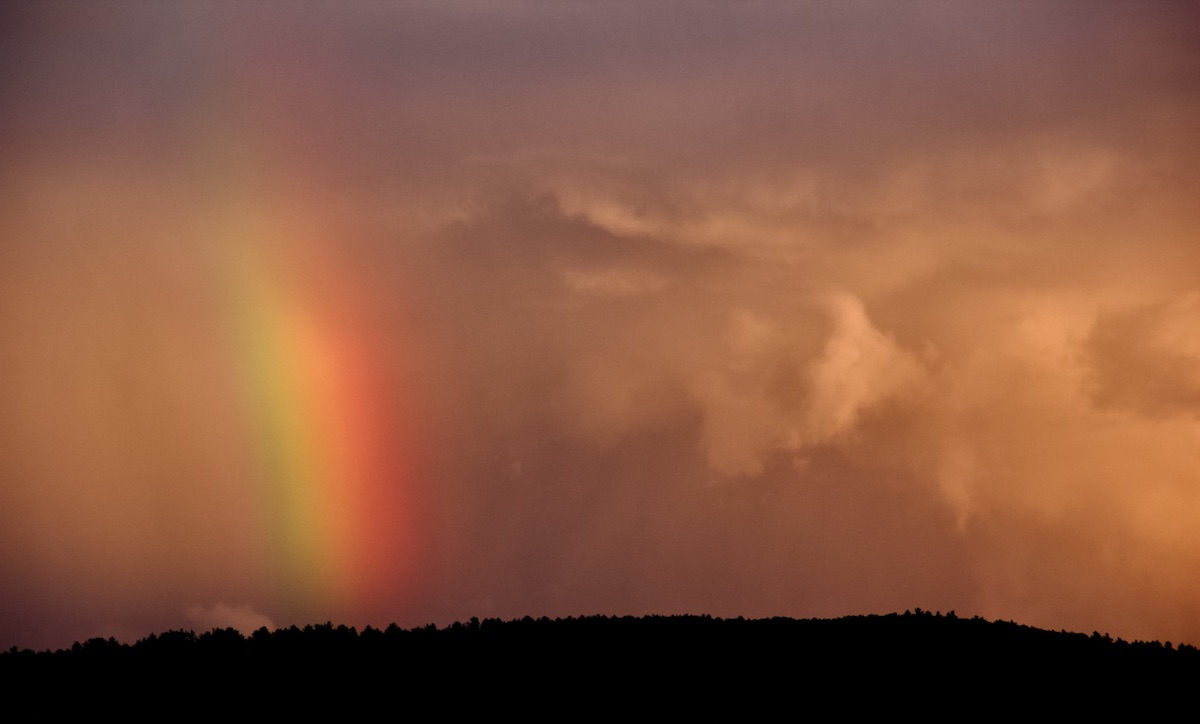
pixel 420 312
pixel 476 622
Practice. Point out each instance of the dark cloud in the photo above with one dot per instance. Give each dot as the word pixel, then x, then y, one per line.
pixel 1146 359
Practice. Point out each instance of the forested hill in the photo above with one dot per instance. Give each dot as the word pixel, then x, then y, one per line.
pixel 716 659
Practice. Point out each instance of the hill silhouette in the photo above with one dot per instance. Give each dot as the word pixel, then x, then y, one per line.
pixel 915 660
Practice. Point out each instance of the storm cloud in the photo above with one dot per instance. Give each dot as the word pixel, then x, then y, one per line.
pixel 746 309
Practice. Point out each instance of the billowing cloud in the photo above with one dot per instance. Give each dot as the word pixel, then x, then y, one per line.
pixel 859 367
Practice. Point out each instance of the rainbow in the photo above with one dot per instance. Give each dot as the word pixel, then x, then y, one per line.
pixel 324 402
pixel 335 452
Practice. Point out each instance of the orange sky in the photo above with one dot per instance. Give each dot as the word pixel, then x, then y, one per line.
pixel 422 311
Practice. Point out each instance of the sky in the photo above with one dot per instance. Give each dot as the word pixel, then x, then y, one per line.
pixel 413 312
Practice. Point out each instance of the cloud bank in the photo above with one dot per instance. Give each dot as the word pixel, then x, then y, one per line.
pixel 221 616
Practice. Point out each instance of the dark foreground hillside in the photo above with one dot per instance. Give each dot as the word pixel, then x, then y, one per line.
pixel 915 661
